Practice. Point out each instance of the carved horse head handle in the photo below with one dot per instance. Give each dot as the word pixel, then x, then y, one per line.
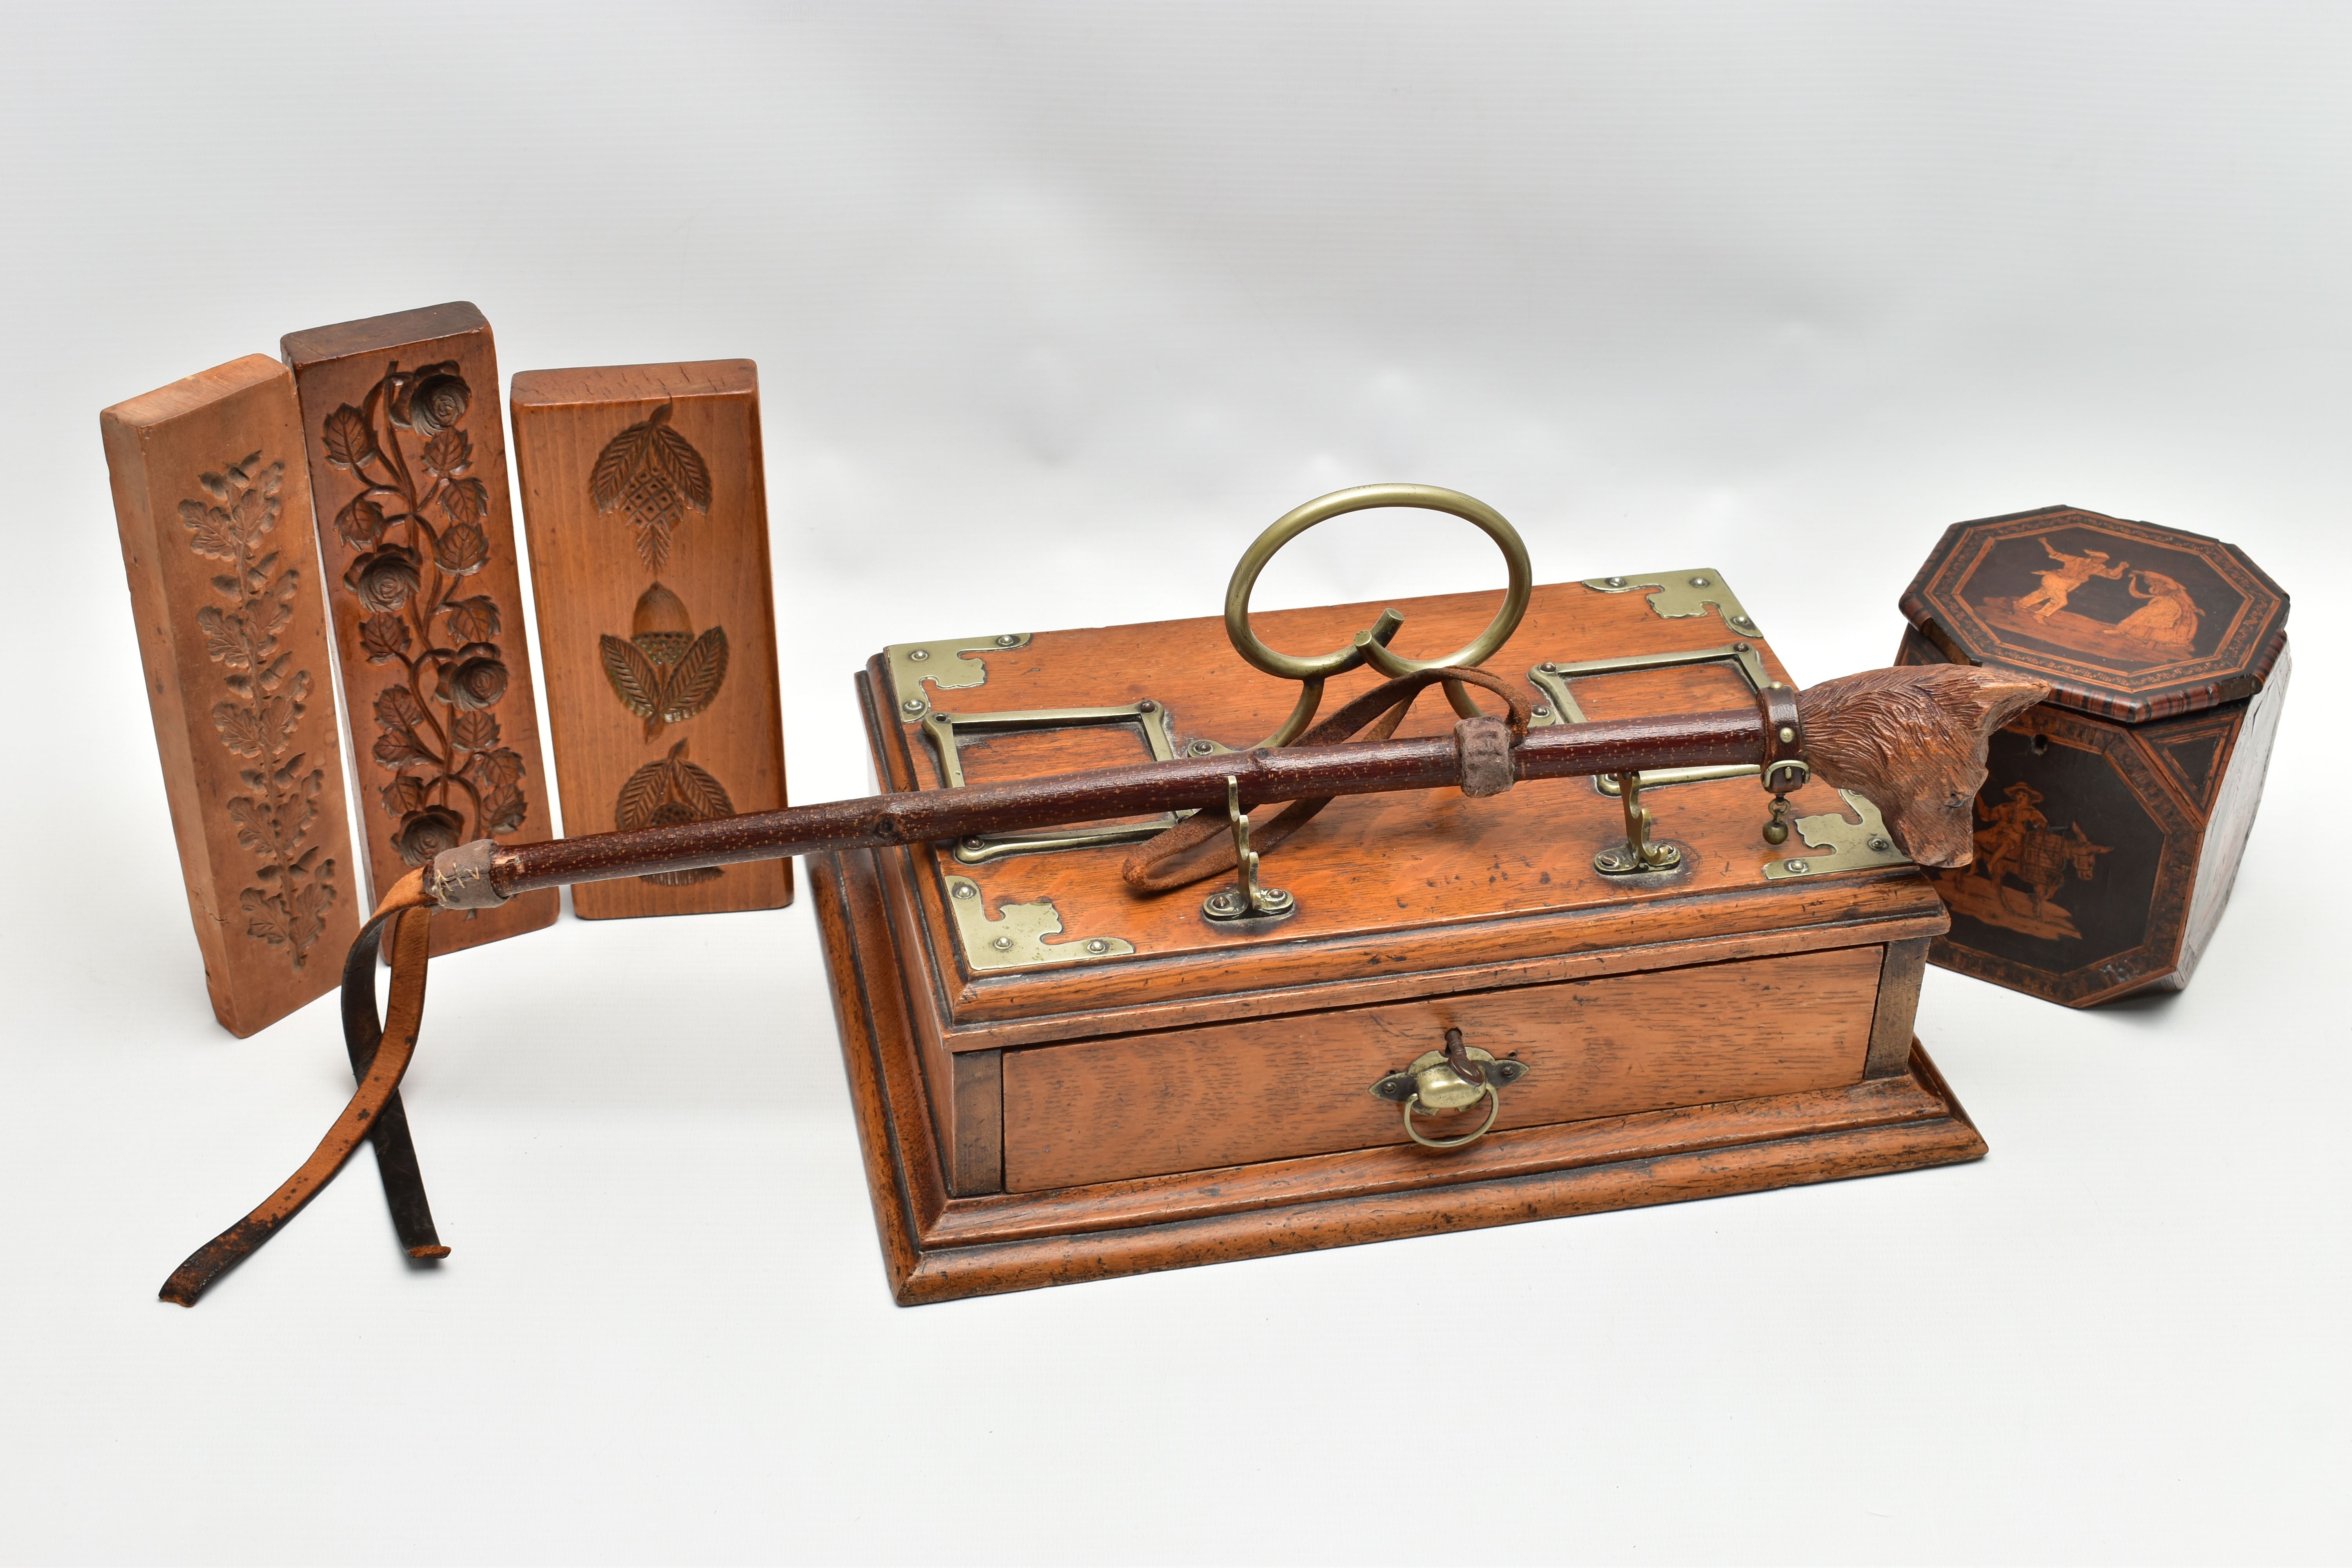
pixel 1914 742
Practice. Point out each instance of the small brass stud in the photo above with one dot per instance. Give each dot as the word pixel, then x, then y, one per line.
pixel 1202 748
pixel 1742 647
pixel 1701 583
pixel 1616 582
pixel 1787 734
pixel 913 705
pixel 1002 945
pixel 1798 868
pixel 919 654
pixel 1146 706
pixel 966 891
pixel 1008 640
pixel 1096 944
pixel 1541 711
pixel 1880 843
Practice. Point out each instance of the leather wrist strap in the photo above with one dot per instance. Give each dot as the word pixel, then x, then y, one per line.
pixel 380 1055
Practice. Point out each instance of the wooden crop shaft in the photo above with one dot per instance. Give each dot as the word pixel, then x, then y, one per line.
pixel 1143 789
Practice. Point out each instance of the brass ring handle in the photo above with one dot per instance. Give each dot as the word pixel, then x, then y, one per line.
pixel 1494 1109
pixel 1371 644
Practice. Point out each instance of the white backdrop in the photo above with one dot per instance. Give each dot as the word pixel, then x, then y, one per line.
pixel 1054 308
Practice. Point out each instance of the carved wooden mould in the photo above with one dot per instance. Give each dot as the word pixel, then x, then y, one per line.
pixel 407 461
pixel 646 501
pixel 215 509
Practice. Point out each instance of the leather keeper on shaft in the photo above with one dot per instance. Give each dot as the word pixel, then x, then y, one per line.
pixel 460 878
pixel 1485 747
pixel 1784 738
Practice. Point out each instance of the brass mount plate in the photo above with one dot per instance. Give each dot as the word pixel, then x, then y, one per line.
pixel 1838 844
pixel 1015 939
pixel 1675 595
pixel 942 663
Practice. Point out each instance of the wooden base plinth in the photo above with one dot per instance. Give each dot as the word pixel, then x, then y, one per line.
pixel 937 1248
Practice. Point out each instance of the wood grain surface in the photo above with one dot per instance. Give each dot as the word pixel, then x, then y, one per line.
pixel 646 505
pixel 213 501
pixel 1236 1094
pixel 407 464
pixel 937 1248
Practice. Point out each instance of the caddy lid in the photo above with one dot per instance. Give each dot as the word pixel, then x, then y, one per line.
pixel 2126 620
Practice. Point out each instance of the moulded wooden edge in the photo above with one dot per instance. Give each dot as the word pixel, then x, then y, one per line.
pixel 369 334
pixel 933 1247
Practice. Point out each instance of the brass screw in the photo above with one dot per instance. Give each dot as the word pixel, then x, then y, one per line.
pixel 1541 711
pixel 1742 647
pixel 1701 583
pixel 920 654
pixel 1800 867
pixel 1146 706
pixel 1096 944
pixel 914 705
pixel 1878 843
pixel 1202 748
pixel 1002 945
pixel 966 891
pixel 1549 668
pixel 1008 640
pixel 974 843
pixel 1616 582
pixel 1743 621
pixel 1223 903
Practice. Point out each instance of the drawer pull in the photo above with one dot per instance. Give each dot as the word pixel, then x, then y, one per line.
pixel 1455 1078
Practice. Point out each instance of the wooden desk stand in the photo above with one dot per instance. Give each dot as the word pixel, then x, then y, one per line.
pixel 1058 1078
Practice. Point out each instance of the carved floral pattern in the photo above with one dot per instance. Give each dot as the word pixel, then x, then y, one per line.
pixel 264 710
pixel 451 779
pixel 664 673
pixel 668 791
pixel 651 475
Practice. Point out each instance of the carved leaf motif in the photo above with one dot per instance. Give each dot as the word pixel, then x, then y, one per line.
pixel 476 730
pixel 223 637
pixel 462 550
pixel 676 458
pixel 694 682
pixel 348 439
pixel 473 620
pixel 252 823
pixel 647 791
pixel 623 455
pixel 383 637
pixel 361 522
pixel 210 525
pixel 397 708
pixel 404 794
pixel 448 453
pixel 240 728
pixel 397 750
pixel 467 501
pixel 504 811
pixel 636 680
pixel 499 768
pixel 698 790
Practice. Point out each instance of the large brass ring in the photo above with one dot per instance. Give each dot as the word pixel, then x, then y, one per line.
pixel 1494 1108
pixel 1371 644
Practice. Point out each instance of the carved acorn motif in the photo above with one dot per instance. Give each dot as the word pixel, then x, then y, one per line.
pixel 664 673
